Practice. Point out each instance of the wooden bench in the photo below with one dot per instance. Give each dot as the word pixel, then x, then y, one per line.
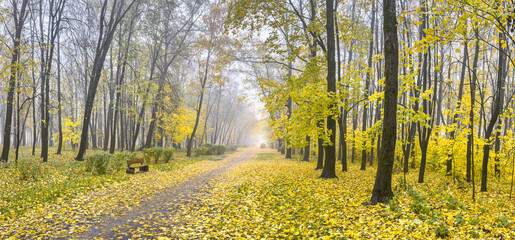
pixel 136 163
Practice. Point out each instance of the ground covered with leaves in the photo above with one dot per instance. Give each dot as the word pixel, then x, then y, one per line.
pixel 266 196
pixel 269 197
pixel 66 200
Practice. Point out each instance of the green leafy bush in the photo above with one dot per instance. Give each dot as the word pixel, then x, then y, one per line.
pixel 168 154
pixel 30 168
pixel 156 153
pixel 104 163
pixel 419 204
pixel 231 148
pixel 210 149
pixel 148 154
pixel 220 149
pixel 201 151
pixel 119 160
pixel 98 164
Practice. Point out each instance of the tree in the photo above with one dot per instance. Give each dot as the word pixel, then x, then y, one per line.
pixel 330 148
pixel 214 43
pixel 105 38
pixel 382 191
pixel 19 15
pixel 122 64
pixel 47 40
pixel 497 106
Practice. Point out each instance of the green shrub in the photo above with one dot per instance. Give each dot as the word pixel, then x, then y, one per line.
pixel 168 154
pixel 200 151
pixel 419 204
pixel 104 163
pixel 210 149
pixel 148 154
pixel 220 149
pixel 231 148
pixel 119 160
pixel 30 168
pixel 98 164
pixel 158 152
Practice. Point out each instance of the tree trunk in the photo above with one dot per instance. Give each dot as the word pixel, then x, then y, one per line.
pixel 104 41
pixel 320 145
pixel 306 150
pixel 59 103
pixel 470 142
pixel 19 20
pixel 330 149
pixel 497 106
pixel 289 105
pixel 120 78
pixel 382 191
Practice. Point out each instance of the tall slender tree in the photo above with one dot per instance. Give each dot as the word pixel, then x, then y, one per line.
pixel 105 37
pixel 19 15
pixel 47 40
pixel 330 149
pixel 382 192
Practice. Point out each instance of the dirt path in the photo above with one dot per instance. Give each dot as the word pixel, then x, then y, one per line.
pixel 151 215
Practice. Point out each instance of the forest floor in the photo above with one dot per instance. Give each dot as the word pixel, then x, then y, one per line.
pixel 256 193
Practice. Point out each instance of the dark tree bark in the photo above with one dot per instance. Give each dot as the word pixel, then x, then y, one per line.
pixel 109 115
pixel 33 77
pixel 104 41
pixel 470 137
pixel 19 16
pixel 306 150
pixel 59 103
pixel 382 191
pixel 497 108
pixel 120 78
pixel 47 52
pixel 428 107
pixel 497 161
pixel 289 105
pixel 94 126
pixel 330 149
pixel 18 124
pixel 152 126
